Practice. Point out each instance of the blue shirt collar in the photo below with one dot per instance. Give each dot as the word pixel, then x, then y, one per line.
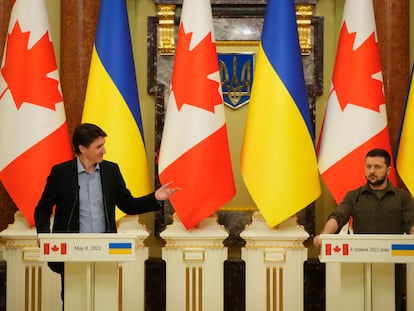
pixel 81 168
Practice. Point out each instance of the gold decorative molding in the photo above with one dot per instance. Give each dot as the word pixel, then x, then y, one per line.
pixel 304 14
pixel 166 16
pixel 296 245
pixel 179 246
pixel 238 209
pixel 17 244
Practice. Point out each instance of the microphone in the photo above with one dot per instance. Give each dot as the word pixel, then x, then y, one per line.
pixel 106 212
pixel 104 202
pixel 75 201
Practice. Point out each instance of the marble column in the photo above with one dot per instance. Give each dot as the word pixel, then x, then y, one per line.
pixel 78 25
pixel 392 19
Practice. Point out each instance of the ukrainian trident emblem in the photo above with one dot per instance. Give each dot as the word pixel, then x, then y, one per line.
pixel 236 72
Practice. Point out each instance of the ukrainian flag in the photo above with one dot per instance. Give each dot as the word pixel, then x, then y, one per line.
pixel 402 250
pixel 116 248
pixel 112 96
pixel 278 159
pixel 405 148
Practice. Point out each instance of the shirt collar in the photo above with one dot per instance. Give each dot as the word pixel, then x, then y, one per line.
pixel 389 188
pixel 81 168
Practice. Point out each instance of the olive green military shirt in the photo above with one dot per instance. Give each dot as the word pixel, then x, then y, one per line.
pixel 389 211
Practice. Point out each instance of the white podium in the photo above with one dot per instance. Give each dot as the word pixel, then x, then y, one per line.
pixel 91 267
pixel 194 265
pixel 274 260
pixel 360 270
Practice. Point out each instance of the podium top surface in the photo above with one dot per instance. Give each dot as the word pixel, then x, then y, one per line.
pixel 397 248
pixel 109 247
pixel 98 236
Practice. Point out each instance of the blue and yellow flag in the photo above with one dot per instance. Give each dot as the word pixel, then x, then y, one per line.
pixel 112 96
pixel 278 159
pixel 404 155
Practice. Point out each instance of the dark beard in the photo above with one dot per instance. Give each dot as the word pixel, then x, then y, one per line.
pixel 379 182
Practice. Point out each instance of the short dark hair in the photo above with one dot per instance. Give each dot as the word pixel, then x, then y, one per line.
pixel 85 134
pixel 380 153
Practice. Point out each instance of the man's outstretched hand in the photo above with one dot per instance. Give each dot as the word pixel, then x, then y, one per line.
pixel 165 192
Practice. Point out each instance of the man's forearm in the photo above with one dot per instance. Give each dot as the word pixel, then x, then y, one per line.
pixel 331 226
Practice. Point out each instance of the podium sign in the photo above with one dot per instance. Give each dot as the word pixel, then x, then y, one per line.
pixel 91 266
pixel 360 270
pixel 87 247
pixel 367 248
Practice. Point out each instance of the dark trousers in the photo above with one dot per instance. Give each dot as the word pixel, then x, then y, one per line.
pixel 59 268
pixel 400 287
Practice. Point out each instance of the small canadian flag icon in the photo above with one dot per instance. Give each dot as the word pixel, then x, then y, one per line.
pixel 55 248
pixel 338 249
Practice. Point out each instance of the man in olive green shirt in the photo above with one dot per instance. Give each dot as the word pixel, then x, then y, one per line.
pixel 377 207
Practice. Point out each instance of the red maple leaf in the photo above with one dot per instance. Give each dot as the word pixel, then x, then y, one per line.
pixel 55 248
pixel 336 249
pixel 190 80
pixel 354 69
pixel 25 70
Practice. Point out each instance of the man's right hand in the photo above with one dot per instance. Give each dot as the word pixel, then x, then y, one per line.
pixel 317 240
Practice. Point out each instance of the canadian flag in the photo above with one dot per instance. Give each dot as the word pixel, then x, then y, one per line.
pixel 356 118
pixel 194 151
pixel 33 128
pixel 337 249
pixel 55 249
